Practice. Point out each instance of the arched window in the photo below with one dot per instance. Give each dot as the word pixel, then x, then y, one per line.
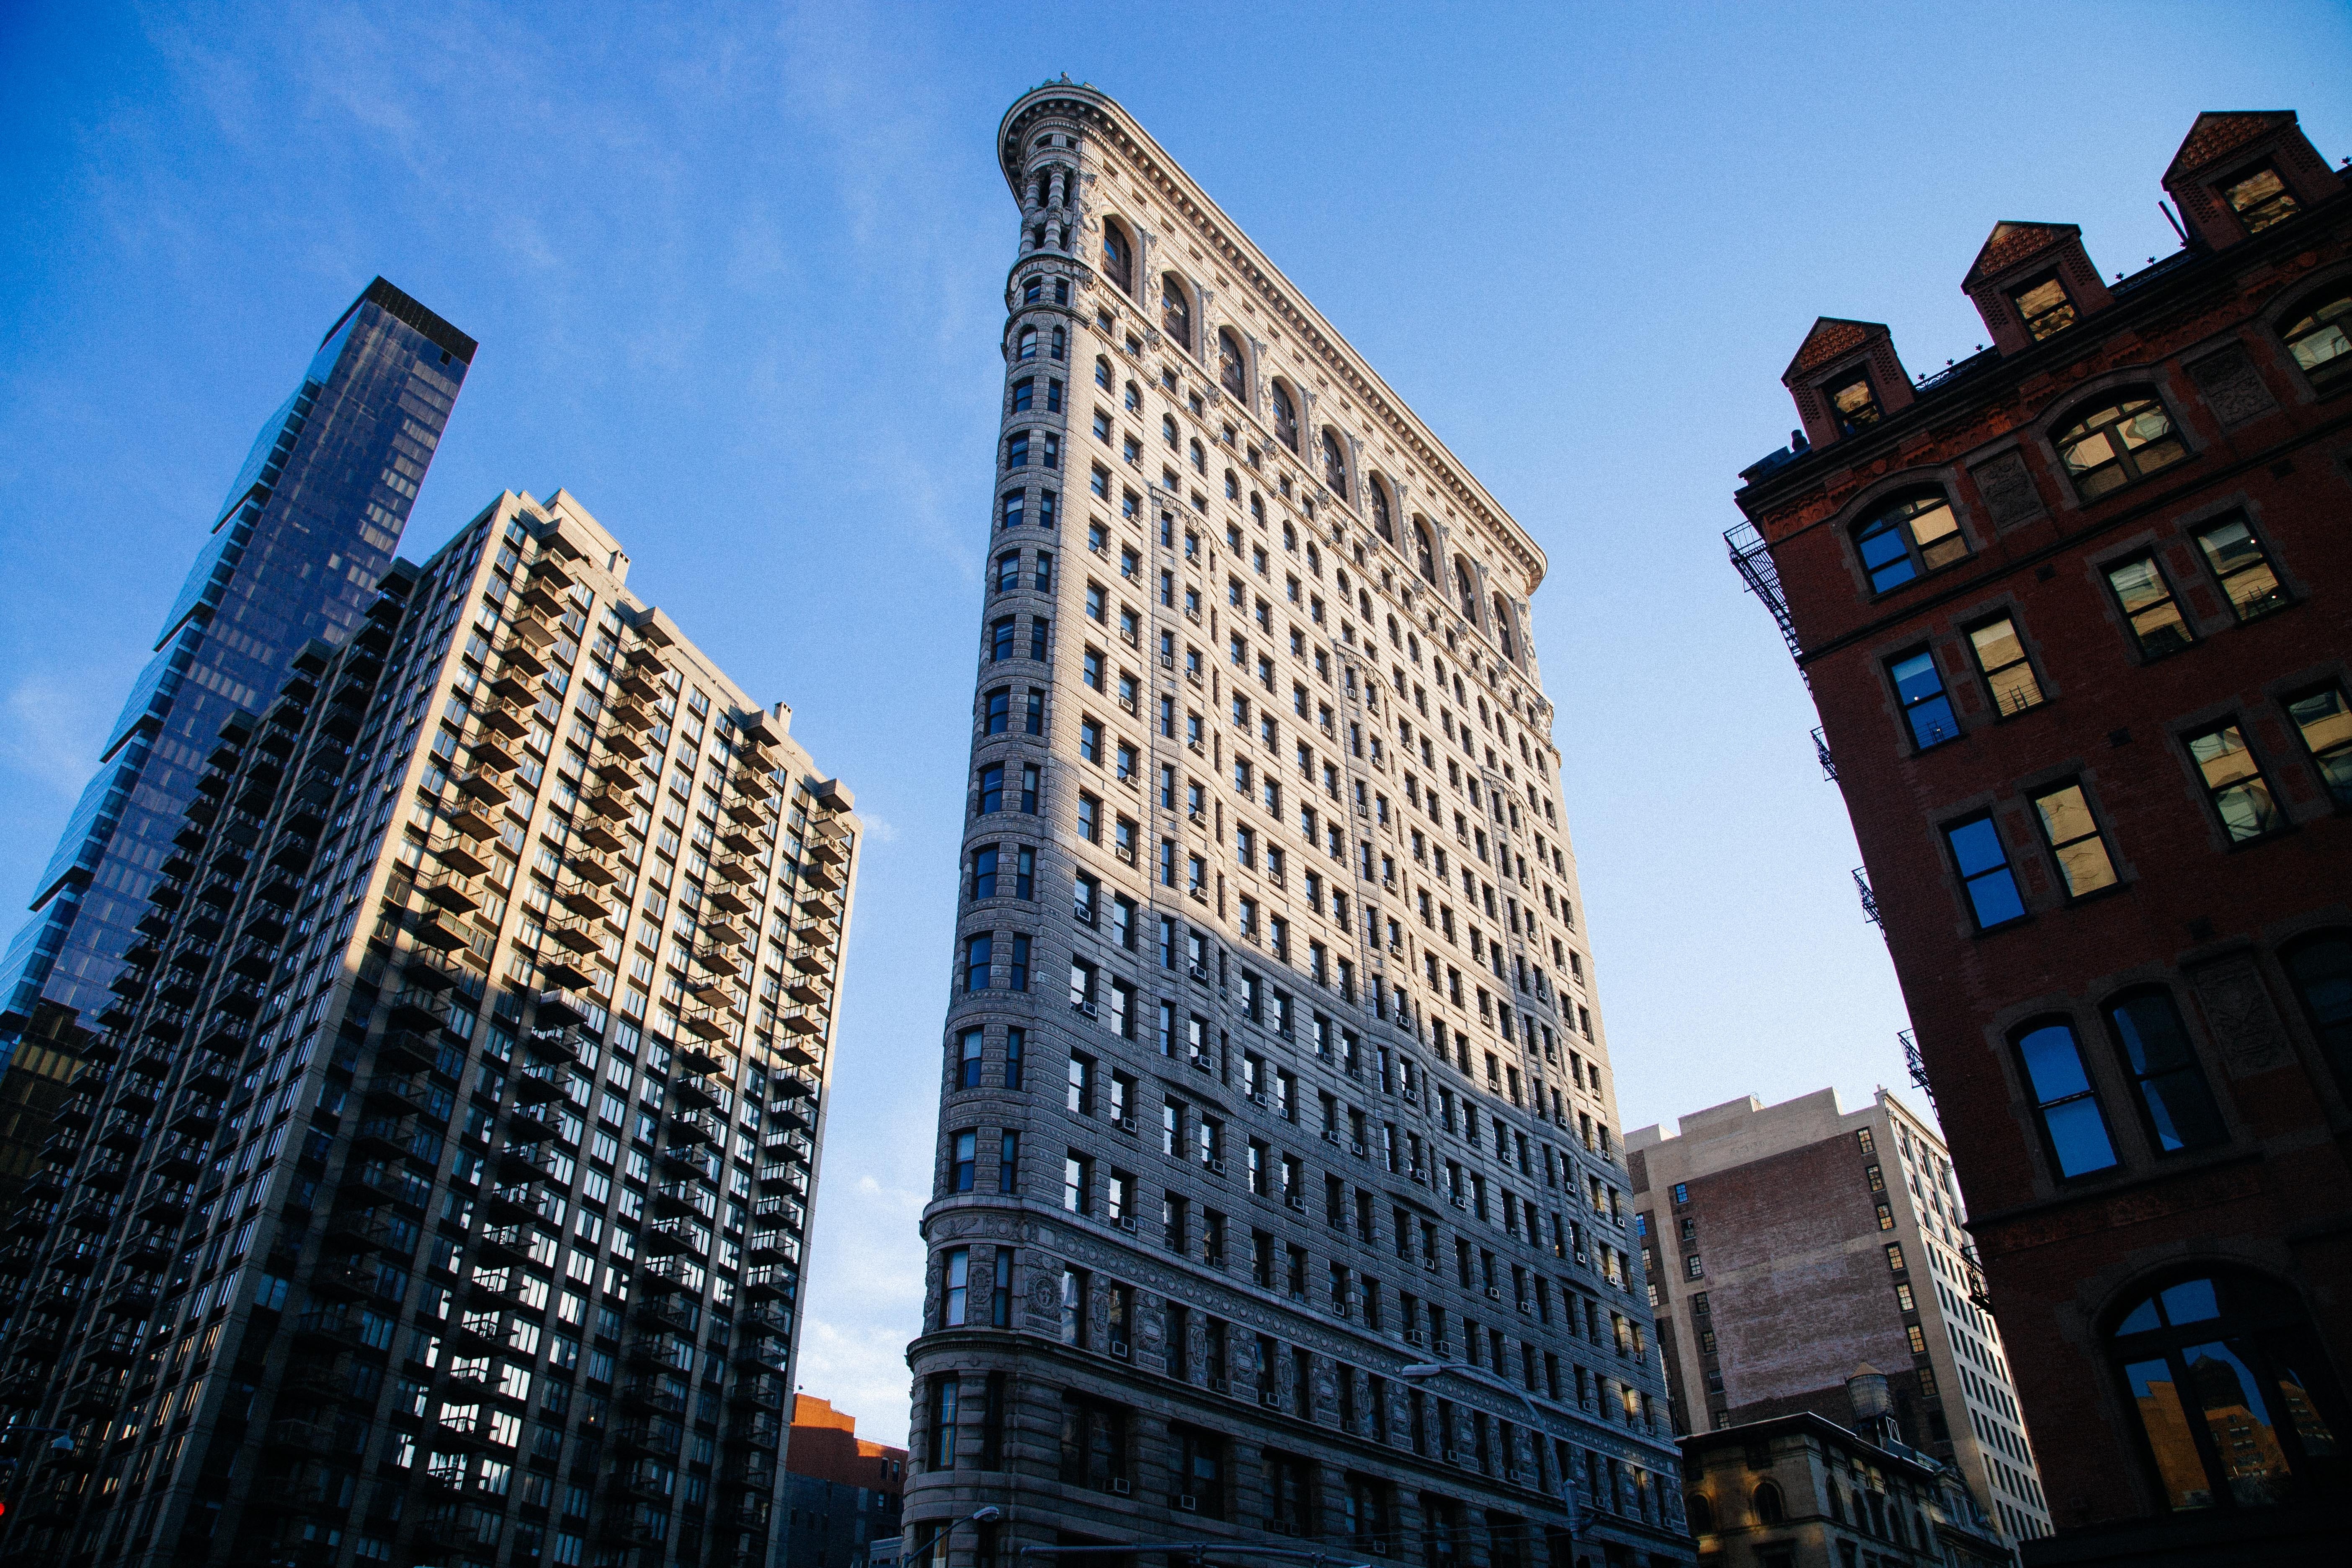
pixel 1335 464
pixel 2320 965
pixel 1175 311
pixel 1061 339
pixel 1285 417
pixel 1118 257
pixel 1701 1513
pixel 1229 362
pixel 1768 1505
pixel 1503 630
pixel 1025 346
pixel 2116 443
pixel 1466 586
pixel 2175 1105
pixel 1383 523
pixel 1428 555
pixel 1168 431
pixel 2317 338
pixel 1914 535
pixel 1200 458
pixel 1102 373
pixel 2235 1398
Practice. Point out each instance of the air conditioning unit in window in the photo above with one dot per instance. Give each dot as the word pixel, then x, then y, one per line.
pixel 1217 1166
pixel 1411 1095
pixel 1330 1135
pixel 1125 1223
pixel 1120 1486
pixel 1218 1386
pixel 1270 1400
pixel 1258 1097
pixel 1118 1347
pixel 1297 1202
pixel 1379 1549
pixel 1356 1150
pixel 1088 1008
pixel 1415 1337
pixel 1527 1307
pixel 1200 971
pixel 1457 1200
pixel 1419 1177
pixel 1493 1294
pixel 1452 1455
pixel 1126 1124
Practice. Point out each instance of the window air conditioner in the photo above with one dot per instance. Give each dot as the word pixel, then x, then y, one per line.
pixel 1120 1486
pixel 1186 1501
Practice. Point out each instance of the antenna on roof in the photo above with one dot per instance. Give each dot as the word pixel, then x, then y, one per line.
pixel 2166 210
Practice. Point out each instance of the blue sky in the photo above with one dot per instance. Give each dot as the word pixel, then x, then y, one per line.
pixel 736 271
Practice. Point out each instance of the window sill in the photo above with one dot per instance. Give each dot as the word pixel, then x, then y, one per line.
pixel 2113 890
pixel 2026 918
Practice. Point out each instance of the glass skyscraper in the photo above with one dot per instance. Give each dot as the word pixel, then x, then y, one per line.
pixel 293 554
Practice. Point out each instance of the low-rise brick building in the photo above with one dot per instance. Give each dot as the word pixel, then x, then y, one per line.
pixel 842 1491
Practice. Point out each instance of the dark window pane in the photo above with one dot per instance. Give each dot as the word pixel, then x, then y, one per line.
pixel 2166 1424
pixel 2156 1049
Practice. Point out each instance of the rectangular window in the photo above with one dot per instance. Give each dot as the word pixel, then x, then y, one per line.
pixel 2071 1122
pixel 975 963
pixel 1984 871
pixel 1012 1043
pixel 2325 721
pixel 1019 978
pixel 2072 835
pixel 2147 600
pixel 2044 307
pixel 957 1288
pixel 1919 687
pixel 2233 782
pixel 1077 1185
pixel 2001 658
pixel 2244 570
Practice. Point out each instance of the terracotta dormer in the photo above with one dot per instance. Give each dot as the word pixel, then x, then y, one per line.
pixel 1845 379
pixel 2032 281
pixel 2240 172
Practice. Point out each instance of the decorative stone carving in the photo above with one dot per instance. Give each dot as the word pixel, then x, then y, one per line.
pixel 2244 1023
pixel 2232 390
pixel 2007 488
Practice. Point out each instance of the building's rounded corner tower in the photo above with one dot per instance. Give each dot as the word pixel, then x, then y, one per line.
pixel 1278 1192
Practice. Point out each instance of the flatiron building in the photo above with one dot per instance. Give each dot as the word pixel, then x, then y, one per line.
pixel 1278 1203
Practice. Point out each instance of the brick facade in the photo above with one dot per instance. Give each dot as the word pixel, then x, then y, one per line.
pixel 2129 1000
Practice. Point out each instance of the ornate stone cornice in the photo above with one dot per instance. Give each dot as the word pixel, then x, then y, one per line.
pixel 1099 112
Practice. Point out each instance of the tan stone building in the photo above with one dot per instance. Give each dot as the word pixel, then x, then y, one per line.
pixel 1788 1242
pixel 1278 1192
pixel 1805 1491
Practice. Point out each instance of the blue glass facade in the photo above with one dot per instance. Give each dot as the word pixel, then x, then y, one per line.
pixel 293 554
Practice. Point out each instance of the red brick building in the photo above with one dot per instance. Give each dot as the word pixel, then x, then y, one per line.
pixel 2076 616
pixel 842 1493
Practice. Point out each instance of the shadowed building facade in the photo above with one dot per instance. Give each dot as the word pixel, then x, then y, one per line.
pixel 440 1193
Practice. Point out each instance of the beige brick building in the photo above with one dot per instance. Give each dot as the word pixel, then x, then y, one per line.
pixel 1787 1243
pixel 1278 1192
